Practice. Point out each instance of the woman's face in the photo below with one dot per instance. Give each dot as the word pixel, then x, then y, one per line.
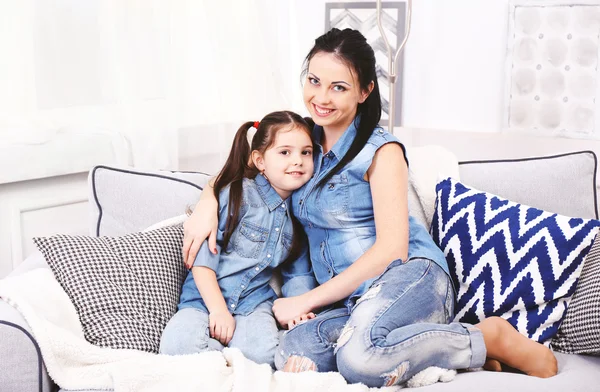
pixel 332 92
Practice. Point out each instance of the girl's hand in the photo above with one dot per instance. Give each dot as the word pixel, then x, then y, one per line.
pixel 300 320
pixel 221 326
pixel 287 310
pixel 202 224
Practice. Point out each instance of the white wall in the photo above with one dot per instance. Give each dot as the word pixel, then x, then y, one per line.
pixel 455 65
pixel 454 61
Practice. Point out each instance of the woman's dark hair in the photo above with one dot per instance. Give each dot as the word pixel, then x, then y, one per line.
pixel 352 48
pixel 239 165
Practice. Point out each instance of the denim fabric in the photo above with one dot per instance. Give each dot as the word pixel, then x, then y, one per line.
pixel 398 328
pixel 255 335
pixel 259 244
pixel 338 217
pixel 394 325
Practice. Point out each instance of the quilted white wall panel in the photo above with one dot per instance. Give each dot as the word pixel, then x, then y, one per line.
pixel 552 68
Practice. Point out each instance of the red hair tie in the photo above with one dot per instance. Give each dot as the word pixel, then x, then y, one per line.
pixel 256 124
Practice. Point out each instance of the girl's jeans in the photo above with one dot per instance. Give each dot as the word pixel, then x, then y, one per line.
pixel 399 327
pixel 255 334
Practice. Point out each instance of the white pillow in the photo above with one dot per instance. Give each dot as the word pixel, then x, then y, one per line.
pixel 125 200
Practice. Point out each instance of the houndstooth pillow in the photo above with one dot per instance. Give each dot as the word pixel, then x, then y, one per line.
pixel 579 333
pixel 125 289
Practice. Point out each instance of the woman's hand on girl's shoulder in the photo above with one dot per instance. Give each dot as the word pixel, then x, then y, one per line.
pixel 202 224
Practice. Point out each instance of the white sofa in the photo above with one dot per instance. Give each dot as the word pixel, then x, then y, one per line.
pixel 129 200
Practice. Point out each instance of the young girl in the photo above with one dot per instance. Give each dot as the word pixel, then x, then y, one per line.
pixel 383 281
pixel 226 295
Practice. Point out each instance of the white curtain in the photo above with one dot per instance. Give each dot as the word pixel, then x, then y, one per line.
pixel 165 75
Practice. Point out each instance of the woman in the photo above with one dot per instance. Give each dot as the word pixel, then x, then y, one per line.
pixel 384 285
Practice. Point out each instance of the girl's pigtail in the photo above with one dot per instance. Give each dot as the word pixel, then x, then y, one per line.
pixel 232 174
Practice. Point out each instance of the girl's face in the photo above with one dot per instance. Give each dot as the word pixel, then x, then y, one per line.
pixel 288 163
pixel 332 92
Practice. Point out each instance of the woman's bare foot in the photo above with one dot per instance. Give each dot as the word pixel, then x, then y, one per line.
pixel 492 365
pixel 507 345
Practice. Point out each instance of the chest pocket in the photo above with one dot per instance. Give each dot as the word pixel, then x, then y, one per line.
pixel 333 197
pixel 250 239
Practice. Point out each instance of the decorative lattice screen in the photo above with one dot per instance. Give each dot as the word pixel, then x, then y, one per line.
pixel 363 17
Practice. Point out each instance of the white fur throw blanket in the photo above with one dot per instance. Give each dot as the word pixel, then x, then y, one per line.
pixel 74 363
pixel 428 165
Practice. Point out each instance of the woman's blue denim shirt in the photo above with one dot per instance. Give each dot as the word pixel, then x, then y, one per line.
pixel 258 245
pixel 338 217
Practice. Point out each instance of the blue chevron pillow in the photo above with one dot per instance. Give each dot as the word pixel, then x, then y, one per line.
pixel 508 259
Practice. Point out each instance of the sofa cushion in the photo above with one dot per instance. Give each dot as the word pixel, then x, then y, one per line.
pixel 577 373
pixel 579 333
pixel 508 259
pixel 126 200
pixel 533 181
pixel 125 289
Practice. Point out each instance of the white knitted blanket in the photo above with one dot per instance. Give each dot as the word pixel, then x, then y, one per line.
pixel 73 363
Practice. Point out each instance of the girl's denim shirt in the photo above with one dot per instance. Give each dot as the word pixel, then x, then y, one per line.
pixel 259 244
pixel 338 217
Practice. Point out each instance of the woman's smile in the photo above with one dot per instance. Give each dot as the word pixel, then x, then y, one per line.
pixel 321 111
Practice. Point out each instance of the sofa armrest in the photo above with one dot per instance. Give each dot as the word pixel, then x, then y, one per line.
pixel 22 367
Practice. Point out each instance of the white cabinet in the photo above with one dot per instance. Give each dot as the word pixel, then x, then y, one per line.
pixel 39 208
pixel 43 190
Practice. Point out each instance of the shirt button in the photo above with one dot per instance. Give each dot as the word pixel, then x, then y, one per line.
pixel 242 286
pixel 232 305
pixel 277 229
pixel 380 131
pixel 283 206
pixel 268 256
pixel 257 268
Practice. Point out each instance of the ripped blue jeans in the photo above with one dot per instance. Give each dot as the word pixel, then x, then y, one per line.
pixel 399 327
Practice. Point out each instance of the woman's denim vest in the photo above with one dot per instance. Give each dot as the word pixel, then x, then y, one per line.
pixel 338 217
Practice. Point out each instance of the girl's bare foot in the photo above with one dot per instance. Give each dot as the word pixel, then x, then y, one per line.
pixel 507 345
pixel 492 365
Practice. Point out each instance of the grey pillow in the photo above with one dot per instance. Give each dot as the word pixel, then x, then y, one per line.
pixel 564 184
pixel 579 333
pixel 126 200
pixel 125 289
